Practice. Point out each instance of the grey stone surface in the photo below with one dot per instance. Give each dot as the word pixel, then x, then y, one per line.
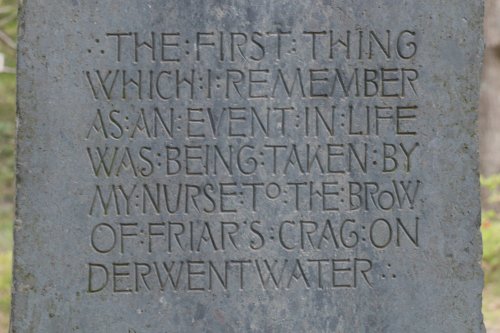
pixel 248 166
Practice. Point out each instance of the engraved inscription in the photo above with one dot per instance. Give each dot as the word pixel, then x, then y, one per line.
pixel 251 160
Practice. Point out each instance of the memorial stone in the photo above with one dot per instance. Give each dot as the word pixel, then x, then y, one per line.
pixel 248 166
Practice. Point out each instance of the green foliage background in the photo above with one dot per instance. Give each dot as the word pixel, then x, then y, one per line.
pixel 8 25
pixel 491 251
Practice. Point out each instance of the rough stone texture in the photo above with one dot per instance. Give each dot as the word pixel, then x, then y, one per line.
pixel 362 198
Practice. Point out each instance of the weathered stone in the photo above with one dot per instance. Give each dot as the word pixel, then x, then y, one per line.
pixel 267 166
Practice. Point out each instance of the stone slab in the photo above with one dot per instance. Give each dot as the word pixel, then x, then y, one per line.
pixel 248 166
